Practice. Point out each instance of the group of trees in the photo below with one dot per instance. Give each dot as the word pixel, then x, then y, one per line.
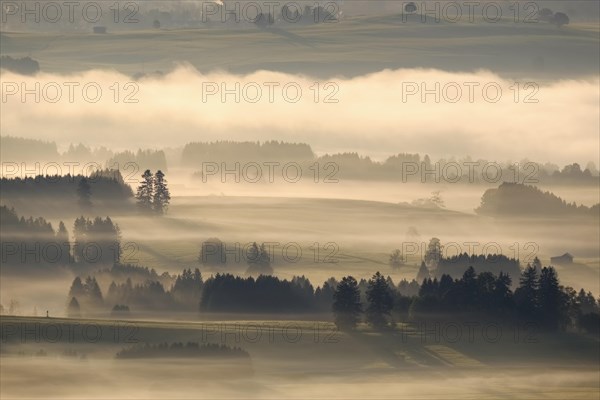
pixel 31 243
pixel 23 66
pixel 347 304
pixel 102 187
pixel 25 150
pixel 189 292
pixel 213 255
pixel 77 157
pixel 542 299
pixel 431 258
pixel 148 294
pixel 120 272
pixel 97 241
pixel 222 292
pixel 484 295
pixel 188 288
pixel 396 260
pixel 513 199
pixel 265 294
pixel 570 174
pixel 86 294
pixel 538 299
pixel 259 260
pixel 557 18
pixel 545 14
pixel 454 266
pixel 142 159
pixel 288 14
pixel 153 196
pixel 402 166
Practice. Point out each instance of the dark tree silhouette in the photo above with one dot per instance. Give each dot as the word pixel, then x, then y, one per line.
pixel 259 260
pixel 84 195
pixel 551 300
pixel 24 66
pixel 120 310
pixel 145 192
pixel 515 199
pixel 410 7
pixel 162 197
pixel 49 248
pixel 97 241
pixel 187 288
pixel 93 291
pixel 87 295
pixel 228 293
pixel 560 19
pixel 526 293
pixel 380 301
pixel 77 289
pixel 346 304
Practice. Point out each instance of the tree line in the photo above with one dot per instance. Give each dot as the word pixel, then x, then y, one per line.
pixel 32 242
pixel 102 188
pixel 512 199
pixel 213 254
pixel 85 296
pixel 539 298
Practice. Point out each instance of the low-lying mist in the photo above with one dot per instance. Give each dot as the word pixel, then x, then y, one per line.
pixel 274 378
pixel 418 110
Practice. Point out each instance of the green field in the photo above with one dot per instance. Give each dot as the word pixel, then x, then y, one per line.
pixel 350 47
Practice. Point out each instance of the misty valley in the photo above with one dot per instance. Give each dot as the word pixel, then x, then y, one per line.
pixel 294 200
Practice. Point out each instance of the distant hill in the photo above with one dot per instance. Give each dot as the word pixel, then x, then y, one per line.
pixel 514 199
pixel 23 66
pixel 194 154
pixel 16 149
pixel 43 157
pixel 326 50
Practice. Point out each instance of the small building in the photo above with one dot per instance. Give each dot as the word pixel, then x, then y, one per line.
pixel 565 259
pixel 99 29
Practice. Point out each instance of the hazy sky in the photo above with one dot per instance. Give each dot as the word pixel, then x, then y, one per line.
pixel 377 114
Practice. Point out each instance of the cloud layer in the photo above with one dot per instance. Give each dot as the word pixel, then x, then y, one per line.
pixel 407 110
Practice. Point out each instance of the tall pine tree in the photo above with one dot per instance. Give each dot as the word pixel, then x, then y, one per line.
pixel 550 299
pixel 145 192
pixel 346 304
pixel 162 197
pixel 526 294
pixel 381 301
